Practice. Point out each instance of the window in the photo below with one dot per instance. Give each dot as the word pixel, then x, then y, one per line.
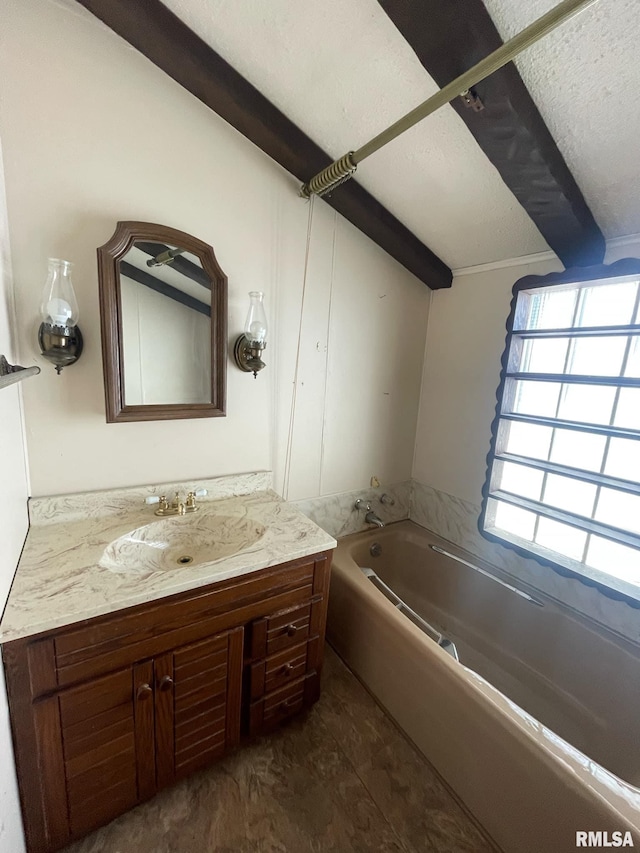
pixel 563 479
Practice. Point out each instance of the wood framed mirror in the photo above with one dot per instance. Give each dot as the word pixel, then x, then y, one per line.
pixel 163 314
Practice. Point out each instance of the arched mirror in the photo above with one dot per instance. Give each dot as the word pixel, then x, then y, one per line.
pixel 163 309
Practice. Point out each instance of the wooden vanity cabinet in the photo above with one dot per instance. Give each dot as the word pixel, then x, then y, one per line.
pixel 113 741
pixel 110 710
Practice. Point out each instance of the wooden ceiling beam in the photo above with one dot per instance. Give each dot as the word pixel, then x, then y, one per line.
pixel 449 38
pixel 165 40
pixel 159 286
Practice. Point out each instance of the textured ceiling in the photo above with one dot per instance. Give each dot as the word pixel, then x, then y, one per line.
pixel 585 80
pixel 342 72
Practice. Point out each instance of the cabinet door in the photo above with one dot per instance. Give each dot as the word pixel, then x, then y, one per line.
pixel 197 705
pixel 107 746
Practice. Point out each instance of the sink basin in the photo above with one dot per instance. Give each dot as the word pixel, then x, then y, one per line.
pixel 180 542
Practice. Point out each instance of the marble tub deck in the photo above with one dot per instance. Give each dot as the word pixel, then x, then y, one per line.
pixel 341 778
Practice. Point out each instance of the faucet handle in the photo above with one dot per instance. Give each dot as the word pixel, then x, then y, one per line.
pixel 155 499
pixel 162 500
pixel 388 500
pixel 190 503
pixel 363 505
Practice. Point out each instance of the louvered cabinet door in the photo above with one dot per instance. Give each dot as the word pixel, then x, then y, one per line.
pixel 107 746
pixel 198 689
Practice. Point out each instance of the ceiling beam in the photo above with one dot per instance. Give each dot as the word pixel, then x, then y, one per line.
pixel 449 38
pixel 165 40
pixel 141 277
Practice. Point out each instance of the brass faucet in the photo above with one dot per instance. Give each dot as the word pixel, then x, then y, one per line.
pixel 176 507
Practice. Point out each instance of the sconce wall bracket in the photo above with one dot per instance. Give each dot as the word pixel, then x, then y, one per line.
pixel 61 345
pixel 247 355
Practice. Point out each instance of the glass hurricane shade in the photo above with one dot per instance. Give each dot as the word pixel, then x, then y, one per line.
pixel 59 306
pixel 255 327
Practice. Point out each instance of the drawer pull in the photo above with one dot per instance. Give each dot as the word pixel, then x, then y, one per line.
pixel 143 692
pixel 287 704
pixel 166 683
pixel 287 669
pixel 291 630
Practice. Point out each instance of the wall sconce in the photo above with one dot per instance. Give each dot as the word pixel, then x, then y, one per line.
pixel 249 346
pixel 59 338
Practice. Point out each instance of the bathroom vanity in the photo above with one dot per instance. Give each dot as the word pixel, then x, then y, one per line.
pixel 108 709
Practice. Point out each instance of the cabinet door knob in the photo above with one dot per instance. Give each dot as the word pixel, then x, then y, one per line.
pixel 287 669
pixel 143 692
pixel 166 683
pixel 291 630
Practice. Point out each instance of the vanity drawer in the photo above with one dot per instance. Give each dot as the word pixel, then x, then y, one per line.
pixel 282 668
pixel 278 706
pixel 287 628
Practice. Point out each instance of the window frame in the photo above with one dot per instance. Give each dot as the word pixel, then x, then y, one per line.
pixel 579 276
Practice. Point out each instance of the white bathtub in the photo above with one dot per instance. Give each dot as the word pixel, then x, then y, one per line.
pixel 525 776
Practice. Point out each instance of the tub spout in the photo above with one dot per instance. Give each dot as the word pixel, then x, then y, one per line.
pixel 370 517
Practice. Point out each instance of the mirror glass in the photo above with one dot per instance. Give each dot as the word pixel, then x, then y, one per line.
pixel 163 303
pixel 166 325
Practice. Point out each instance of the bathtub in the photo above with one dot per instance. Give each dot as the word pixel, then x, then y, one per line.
pixel 536 727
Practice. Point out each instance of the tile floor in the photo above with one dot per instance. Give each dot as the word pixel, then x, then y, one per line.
pixel 342 778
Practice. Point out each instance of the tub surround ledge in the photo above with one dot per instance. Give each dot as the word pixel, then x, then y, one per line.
pixel 59 580
pixel 337 516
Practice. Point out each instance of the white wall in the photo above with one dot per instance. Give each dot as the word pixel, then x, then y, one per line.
pixel 94 133
pixel 467 329
pixel 13 525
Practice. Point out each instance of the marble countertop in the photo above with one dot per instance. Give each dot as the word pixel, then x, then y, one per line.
pixel 59 580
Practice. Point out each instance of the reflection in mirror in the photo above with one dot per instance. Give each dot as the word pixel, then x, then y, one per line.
pixel 166 319
pixel 163 310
